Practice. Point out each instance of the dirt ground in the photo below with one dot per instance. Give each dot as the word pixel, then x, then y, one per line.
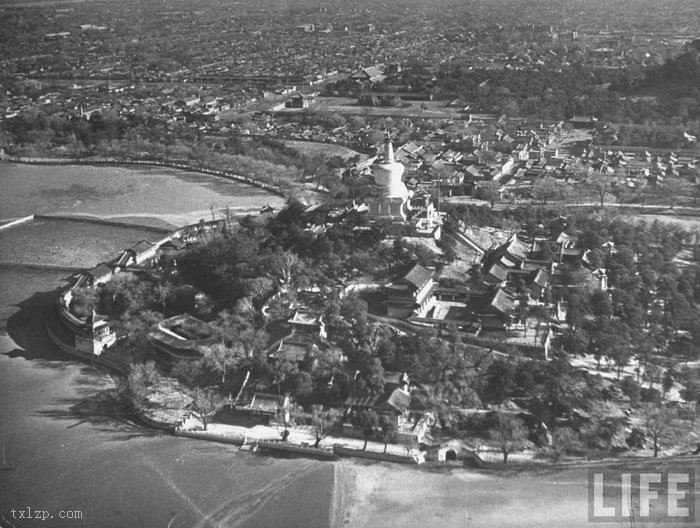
pixel 419 497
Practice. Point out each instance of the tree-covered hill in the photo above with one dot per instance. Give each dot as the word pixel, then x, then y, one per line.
pixel 683 71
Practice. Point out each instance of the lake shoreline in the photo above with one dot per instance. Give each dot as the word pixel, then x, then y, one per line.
pixel 57 400
pixel 71 444
pixel 153 196
pixel 115 162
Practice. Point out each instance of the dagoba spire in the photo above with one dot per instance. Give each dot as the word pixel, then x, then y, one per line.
pixel 388 150
pixel 388 172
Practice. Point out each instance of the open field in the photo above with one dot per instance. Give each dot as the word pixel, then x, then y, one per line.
pixel 67 243
pixel 177 197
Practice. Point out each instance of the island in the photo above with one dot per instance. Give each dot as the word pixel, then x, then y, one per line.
pixel 401 330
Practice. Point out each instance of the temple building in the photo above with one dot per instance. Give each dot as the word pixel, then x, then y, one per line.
pixel 412 294
pixel 391 197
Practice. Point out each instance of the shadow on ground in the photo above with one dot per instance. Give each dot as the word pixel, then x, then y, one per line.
pixel 27 328
pixel 103 410
pixel 93 404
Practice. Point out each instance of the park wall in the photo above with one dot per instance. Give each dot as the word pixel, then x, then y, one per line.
pixel 374 455
pixel 228 438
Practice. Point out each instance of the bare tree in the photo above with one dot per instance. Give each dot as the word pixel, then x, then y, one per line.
pixel 187 371
pixel 286 267
pixel 204 405
pixel 409 443
pixel 140 378
pixel 286 415
pixel 672 188
pixel 659 425
pixel 652 373
pixel 222 359
pixel 366 421
pixel 509 433
pixel 388 428
pixel 600 184
pixel 323 422
pixel 237 330
pixel 691 394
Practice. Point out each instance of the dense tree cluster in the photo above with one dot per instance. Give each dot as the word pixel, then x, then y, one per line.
pixel 654 303
pixel 652 297
pixel 234 273
pixel 649 318
pixel 40 133
pixel 650 136
pixel 579 89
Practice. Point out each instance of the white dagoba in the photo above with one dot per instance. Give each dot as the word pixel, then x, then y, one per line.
pixel 392 195
pixel 387 174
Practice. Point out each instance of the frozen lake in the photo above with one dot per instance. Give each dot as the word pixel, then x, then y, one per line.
pixel 124 193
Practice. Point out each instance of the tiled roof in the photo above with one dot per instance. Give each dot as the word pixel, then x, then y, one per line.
pixel 142 246
pixel 268 403
pixel 498 272
pixel 125 257
pixel 502 302
pixel 100 271
pixel 293 350
pixel 398 401
pixel 517 248
pixel 176 243
pixel 363 401
pixel 418 276
pixel 305 318
pixel 541 278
